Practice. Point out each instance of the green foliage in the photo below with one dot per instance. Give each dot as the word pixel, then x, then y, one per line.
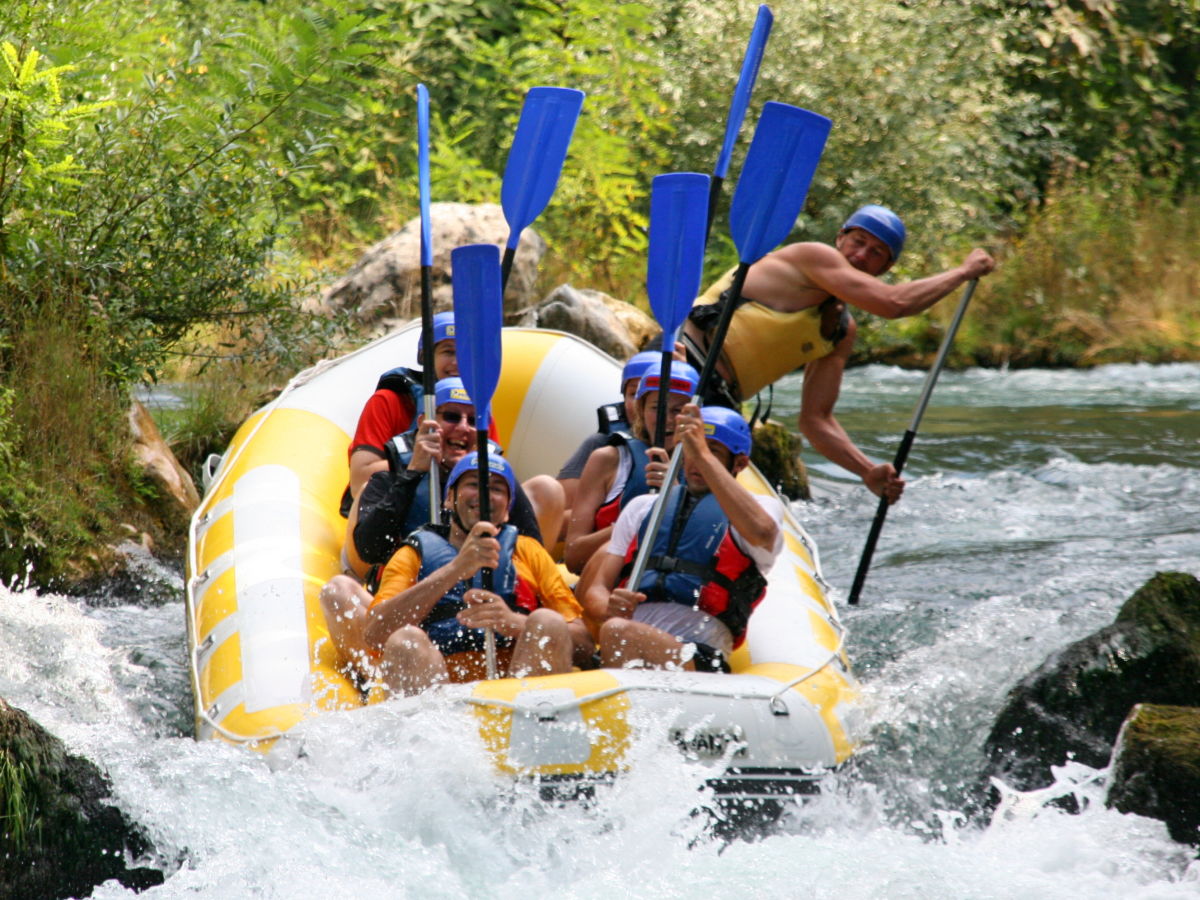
pixel 1118 79
pixel 1105 270
pixel 922 121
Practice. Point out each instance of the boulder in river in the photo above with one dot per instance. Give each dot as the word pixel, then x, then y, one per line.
pixel 1074 704
pixel 60 836
pixel 1156 768
pixel 384 286
pixel 776 453
pixel 616 327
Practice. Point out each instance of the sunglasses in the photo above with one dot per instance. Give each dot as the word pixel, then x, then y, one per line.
pixel 453 417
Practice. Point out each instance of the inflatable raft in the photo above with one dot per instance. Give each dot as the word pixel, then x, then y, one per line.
pixel 267 536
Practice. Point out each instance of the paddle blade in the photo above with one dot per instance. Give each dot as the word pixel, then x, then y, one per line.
pixel 538 151
pixel 423 173
pixel 678 226
pixel 779 167
pixel 745 86
pixel 478 317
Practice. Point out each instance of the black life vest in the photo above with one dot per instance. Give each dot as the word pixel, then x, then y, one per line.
pixel 635 485
pixel 611 418
pixel 695 561
pixel 435 550
pixel 403 382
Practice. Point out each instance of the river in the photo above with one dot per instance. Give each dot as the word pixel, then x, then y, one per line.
pixel 1036 503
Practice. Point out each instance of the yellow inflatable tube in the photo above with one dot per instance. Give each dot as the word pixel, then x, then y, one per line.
pixel 268 535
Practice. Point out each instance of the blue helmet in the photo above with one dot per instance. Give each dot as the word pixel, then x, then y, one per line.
pixel 497 465
pixel 638 365
pixel 684 380
pixel 450 390
pixel 728 428
pixel 443 330
pixel 881 222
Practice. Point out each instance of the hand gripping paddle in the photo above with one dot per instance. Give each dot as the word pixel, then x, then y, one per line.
pixel 478 316
pixel 779 168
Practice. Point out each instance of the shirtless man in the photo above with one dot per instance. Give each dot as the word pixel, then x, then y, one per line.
pixel 793 313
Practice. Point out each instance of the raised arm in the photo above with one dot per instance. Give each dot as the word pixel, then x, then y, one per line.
pixel 753 523
pixel 824 267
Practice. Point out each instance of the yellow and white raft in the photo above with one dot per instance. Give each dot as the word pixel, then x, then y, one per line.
pixel 268 535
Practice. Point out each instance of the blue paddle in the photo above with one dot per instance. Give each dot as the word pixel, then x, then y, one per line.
pixel 428 375
pixel 741 100
pixel 478 316
pixel 535 161
pixel 678 230
pixel 779 168
pixel 907 441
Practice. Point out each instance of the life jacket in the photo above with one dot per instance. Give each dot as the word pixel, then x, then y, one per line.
pixel 610 417
pixel 435 550
pixel 404 382
pixel 399 454
pixel 635 485
pixel 763 344
pixel 697 563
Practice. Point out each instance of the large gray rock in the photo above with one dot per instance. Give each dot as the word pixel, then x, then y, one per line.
pixel 59 834
pixel 384 286
pixel 1156 768
pixel 616 327
pixel 1075 703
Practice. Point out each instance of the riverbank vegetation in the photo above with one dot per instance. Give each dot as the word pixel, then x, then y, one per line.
pixel 175 178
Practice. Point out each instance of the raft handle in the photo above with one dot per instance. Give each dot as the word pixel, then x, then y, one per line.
pixel 778 707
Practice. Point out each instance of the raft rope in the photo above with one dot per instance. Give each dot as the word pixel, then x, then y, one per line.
pixel 775 700
pixel 200 518
pixel 549 711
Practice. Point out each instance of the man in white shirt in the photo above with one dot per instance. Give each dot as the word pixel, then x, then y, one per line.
pixel 708 563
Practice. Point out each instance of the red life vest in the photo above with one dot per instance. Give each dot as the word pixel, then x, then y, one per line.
pixel 695 561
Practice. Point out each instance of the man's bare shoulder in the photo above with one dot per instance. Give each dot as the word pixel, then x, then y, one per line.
pixel 783 279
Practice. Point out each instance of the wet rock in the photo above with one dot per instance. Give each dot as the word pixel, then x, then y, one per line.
pixel 384 286
pixel 617 328
pixel 59 833
pixel 776 453
pixel 1156 768
pixel 1074 704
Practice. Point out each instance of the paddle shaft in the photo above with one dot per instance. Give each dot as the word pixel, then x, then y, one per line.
pixel 738 104
pixel 485 515
pixel 706 374
pixel 506 264
pixel 907 441
pixel 428 372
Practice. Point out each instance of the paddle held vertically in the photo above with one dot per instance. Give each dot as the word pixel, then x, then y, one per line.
pixel 737 107
pixel 428 375
pixel 779 168
pixel 478 317
pixel 675 264
pixel 535 161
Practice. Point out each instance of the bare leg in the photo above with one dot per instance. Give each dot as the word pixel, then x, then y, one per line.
pixel 411 663
pixel 544 647
pixel 549 503
pixel 628 644
pixel 345 603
